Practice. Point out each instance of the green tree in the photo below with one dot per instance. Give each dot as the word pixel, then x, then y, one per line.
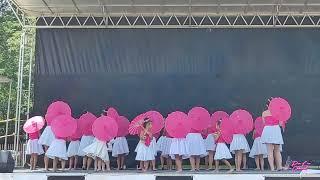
pixel 10 32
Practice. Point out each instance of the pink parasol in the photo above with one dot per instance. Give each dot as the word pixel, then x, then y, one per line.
pixel 59 107
pixel 216 116
pixel 64 126
pixel 112 112
pixel 105 128
pixel 177 124
pixel 157 121
pixel 77 134
pixel 85 123
pixel 33 124
pixel 123 126
pixel 280 109
pixel 227 130
pixel 137 123
pixel 258 126
pixel 199 117
pixel 242 121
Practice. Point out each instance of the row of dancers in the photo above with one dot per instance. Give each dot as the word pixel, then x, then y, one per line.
pixel 194 146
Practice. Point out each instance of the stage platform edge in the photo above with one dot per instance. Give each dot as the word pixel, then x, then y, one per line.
pixel 153 176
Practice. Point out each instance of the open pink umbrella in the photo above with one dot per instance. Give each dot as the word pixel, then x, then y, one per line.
pixel 59 107
pixel 123 126
pixel 137 123
pixel 78 133
pixel 280 109
pixel 177 124
pixel 216 116
pixel 242 121
pixel 157 121
pixel 227 130
pixel 258 126
pixel 199 117
pixel 33 124
pixel 105 128
pixel 85 122
pixel 112 112
pixel 64 126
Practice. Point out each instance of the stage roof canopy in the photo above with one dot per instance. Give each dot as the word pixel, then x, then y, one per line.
pixel 36 8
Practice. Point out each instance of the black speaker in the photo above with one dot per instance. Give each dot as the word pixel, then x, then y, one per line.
pixel 6 162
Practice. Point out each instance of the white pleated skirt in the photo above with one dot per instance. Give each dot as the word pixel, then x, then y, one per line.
pixel 97 149
pixel 272 135
pixel 154 146
pixel 161 143
pixel 222 152
pixel 85 141
pixel 120 146
pixel 258 148
pixel 166 147
pixel 210 143
pixel 196 145
pixel 179 146
pixel 58 148
pixel 46 137
pixel 144 153
pixel 239 142
pixel 73 148
pixel 33 147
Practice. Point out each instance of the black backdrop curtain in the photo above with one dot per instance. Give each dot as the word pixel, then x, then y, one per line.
pixel 136 70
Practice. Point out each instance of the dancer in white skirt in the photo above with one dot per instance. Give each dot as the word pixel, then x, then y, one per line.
pixel 272 137
pixel 58 151
pixel 258 151
pixel 196 148
pixel 119 150
pixel 45 140
pixel 155 148
pixel 86 140
pixel 210 147
pixel 73 152
pixel 98 150
pixel 145 152
pixel 34 149
pixel 179 149
pixel 164 144
pixel 222 150
pixel 239 146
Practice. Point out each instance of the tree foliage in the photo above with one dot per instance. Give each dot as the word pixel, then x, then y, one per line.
pixel 10 33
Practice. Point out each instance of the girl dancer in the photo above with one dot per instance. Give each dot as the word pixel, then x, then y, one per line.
pixel 34 149
pixel 155 148
pixel 258 151
pixel 119 150
pixel 58 151
pixel 99 151
pixel 272 137
pixel 210 147
pixel 86 139
pixel 239 146
pixel 46 139
pixel 196 148
pixel 73 150
pixel 164 144
pixel 145 152
pixel 222 151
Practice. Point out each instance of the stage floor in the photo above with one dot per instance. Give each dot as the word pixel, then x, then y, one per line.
pixel 25 174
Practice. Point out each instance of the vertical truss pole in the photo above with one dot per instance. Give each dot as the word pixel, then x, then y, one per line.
pixel 8 116
pixel 19 92
pixel 30 77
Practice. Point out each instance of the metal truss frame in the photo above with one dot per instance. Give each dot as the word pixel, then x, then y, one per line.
pixel 279 17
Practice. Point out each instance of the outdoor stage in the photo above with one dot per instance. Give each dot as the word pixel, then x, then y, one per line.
pixel 159 175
